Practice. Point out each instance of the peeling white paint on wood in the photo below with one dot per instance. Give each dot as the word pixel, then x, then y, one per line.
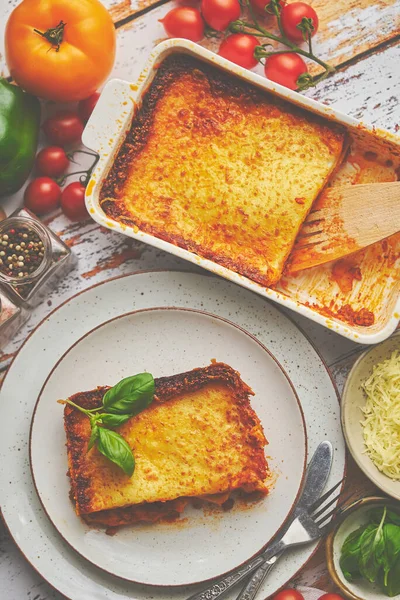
pixel 367 90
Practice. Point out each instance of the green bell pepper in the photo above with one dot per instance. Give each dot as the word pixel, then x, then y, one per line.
pixel 19 132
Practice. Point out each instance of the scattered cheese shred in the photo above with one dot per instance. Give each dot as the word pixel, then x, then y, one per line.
pixel 382 416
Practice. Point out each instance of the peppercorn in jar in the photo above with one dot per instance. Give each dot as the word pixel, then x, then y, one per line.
pixel 32 258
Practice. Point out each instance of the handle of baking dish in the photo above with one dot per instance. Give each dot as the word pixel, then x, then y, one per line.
pixel 111 116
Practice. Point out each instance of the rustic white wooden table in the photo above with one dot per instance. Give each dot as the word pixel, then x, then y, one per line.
pixel 360 37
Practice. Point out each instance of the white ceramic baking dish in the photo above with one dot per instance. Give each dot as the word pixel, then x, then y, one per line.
pixel 312 293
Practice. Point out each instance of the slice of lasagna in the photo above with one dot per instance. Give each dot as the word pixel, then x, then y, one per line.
pixel 199 439
pixel 216 166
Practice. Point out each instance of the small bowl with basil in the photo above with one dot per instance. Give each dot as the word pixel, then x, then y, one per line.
pixel 363 550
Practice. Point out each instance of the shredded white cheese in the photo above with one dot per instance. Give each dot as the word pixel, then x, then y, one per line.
pixel 382 416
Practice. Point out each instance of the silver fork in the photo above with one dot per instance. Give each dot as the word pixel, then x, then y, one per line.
pixel 314 523
pixel 308 525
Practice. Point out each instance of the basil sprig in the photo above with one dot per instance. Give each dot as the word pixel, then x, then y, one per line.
pixel 121 402
pixel 373 551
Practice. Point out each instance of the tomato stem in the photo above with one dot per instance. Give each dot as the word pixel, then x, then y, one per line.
pixel 209 32
pixel 54 35
pixel 277 12
pixel 85 174
pixel 90 170
pixel 309 43
pixel 61 180
pixel 72 154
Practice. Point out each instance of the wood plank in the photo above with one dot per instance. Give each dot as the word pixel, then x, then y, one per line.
pixel 123 9
pixel 137 38
pixel 366 90
pixel 346 29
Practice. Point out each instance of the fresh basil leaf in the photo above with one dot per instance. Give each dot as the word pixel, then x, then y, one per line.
pixel 391 535
pixel 115 448
pixel 93 436
pixel 372 547
pixel 349 567
pixel 392 517
pixel 113 420
pixel 350 554
pixel 353 540
pixel 131 395
pixel 375 516
pixel 349 575
pixel 392 585
pixel 369 563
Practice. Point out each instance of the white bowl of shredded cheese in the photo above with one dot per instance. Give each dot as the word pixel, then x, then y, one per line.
pixel 371 414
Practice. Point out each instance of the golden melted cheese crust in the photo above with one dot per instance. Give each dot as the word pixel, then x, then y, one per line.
pixel 199 437
pixel 220 168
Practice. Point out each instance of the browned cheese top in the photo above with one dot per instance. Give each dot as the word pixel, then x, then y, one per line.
pixel 216 166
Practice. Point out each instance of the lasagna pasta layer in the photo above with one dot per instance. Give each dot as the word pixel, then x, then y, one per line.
pixel 199 437
pixel 220 168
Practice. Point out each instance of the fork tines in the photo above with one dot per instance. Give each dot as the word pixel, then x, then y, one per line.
pixel 318 510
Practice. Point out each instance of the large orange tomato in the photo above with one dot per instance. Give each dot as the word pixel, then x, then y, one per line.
pixel 60 49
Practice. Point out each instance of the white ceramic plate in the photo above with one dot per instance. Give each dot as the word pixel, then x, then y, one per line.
pixel 31 529
pixel 166 342
pixel 353 400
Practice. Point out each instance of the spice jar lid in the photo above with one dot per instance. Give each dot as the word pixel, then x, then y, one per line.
pixel 25 250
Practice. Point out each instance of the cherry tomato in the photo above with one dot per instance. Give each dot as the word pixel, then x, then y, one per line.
pixel 52 161
pixel 42 195
pixel 239 48
pixel 184 22
pixel 73 202
pixel 289 594
pixel 63 128
pixel 285 69
pixel 331 597
pixel 260 5
pixel 86 106
pixel 219 13
pixel 291 16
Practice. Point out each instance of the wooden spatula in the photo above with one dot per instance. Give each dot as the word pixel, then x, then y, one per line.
pixel 344 220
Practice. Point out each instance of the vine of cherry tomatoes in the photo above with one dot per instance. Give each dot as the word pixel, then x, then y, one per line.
pixel 298 22
pixel 44 194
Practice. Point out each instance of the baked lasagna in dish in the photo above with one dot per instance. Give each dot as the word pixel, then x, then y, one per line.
pixel 200 439
pixel 221 168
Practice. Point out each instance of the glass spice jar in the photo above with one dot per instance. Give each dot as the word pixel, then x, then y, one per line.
pixel 32 258
pixel 12 317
